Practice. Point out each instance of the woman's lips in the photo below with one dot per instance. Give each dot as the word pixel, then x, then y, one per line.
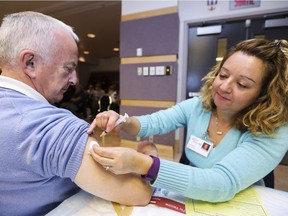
pixel 222 97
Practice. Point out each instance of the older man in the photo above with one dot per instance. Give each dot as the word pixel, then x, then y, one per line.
pixel 45 150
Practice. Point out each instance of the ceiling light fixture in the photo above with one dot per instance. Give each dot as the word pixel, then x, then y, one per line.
pixel 91 35
pixel 116 49
pixel 86 52
pixel 82 59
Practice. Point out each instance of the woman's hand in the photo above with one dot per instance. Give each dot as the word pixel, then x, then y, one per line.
pixel 105 121
pixel 121 160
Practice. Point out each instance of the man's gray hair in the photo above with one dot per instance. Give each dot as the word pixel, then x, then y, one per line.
pixel 29 30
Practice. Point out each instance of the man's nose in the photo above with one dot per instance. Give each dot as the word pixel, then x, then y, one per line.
pixel 73 78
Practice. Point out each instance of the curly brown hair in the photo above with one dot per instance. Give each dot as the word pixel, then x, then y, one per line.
pixel 270 110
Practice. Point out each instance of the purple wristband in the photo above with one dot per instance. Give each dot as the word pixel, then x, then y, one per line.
pixel 153 171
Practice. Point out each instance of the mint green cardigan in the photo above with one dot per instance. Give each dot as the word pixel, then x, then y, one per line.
pixel 239 160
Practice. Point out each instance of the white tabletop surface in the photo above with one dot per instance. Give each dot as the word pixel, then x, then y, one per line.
pixel 275 201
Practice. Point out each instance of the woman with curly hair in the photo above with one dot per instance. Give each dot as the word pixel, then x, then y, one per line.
pixel 241 114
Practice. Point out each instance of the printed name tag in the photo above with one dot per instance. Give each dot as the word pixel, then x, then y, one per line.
pixel 199 146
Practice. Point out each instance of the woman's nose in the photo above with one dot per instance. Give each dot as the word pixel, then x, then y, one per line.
pixel 226 86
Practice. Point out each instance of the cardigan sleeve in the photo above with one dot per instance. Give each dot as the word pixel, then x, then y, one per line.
pixel 249 162
pixel 164 121
pixel 240 160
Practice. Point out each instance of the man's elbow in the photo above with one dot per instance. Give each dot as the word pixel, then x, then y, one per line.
pixel 144 199
pixel 138 198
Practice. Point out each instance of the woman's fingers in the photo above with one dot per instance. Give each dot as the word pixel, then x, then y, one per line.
pixel 92 127
pixel 121 160
pixel 105 121
pixel 102 155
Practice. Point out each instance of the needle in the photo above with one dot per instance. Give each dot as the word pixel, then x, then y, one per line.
pixel 118 122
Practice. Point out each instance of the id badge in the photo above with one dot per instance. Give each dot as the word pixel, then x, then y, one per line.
pixel 199 146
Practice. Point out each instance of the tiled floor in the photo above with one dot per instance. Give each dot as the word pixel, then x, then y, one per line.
pixel 280 173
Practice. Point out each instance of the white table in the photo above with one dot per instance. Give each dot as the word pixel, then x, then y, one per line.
pixel 275 201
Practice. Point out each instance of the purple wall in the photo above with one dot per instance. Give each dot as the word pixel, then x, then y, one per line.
pixel 156 36
pixel 136 87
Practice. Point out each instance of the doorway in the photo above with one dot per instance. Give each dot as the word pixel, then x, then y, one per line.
pixel 208 44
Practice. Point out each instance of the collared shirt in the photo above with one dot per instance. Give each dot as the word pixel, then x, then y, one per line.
pixel 7 82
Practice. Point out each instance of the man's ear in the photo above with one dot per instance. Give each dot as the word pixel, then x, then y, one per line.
pixel 28 63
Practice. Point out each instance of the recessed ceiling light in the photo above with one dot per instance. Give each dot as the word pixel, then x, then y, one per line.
pixel 82 59
pixel 86 52
pixel 218 59
pixel 91 35
pixel 116 49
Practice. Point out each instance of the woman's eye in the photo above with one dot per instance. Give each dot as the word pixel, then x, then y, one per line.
pixel 242 85
pixel 222 76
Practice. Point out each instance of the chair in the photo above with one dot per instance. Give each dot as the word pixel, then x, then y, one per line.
pixel 285 160
pixel 270 179
pixel 104 103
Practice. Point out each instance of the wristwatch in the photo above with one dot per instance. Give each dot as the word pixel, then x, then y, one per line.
pixel 152 173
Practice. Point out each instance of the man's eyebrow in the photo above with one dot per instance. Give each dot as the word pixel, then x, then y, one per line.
pixel 71 64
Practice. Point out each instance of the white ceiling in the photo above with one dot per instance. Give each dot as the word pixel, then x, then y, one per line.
pixel 99 17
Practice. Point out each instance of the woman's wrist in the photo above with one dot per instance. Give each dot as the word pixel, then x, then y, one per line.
pixel 143 164
pixel 131 126
pixel 152 172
